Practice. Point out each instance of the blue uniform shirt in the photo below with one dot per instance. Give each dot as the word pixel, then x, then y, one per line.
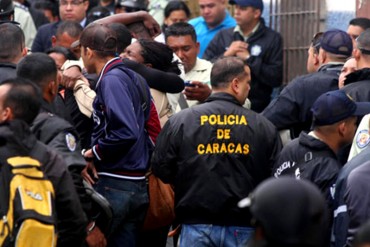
pixel 205 35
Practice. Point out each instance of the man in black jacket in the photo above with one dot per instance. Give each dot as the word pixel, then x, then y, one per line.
pixel 215 154
pixel 291 109
pixel 56 132
pixel 16 116
pixel 258 45
pixel 357 84
pixel 313 156
pixel 12 49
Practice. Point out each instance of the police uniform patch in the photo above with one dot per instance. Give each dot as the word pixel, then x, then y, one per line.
pixel 71 142
pixel 363 138
pixel 256 50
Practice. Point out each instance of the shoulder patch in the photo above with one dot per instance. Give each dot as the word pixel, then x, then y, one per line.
pixel 256 50
pixel 71 142
pixel 363 138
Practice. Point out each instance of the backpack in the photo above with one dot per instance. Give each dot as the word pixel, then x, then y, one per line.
pixel 27 208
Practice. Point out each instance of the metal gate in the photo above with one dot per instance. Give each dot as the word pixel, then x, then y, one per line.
pixel 297 21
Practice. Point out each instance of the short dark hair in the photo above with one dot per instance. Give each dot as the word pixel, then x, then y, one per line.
pixel 176 5
pixel 97 13
pixel 12 42
pixel 38 68
pixel 225 69
pixel 24 98
pixel 68 55
pixel 124 36
pixel 362 22
pixel 47 5
pixel 363 42
pixel 159 55
pixel 181 29
pixel 72 28
pixel 316 42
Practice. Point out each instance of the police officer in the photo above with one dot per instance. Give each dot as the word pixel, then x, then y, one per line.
pixel 55 131
pixel 215 154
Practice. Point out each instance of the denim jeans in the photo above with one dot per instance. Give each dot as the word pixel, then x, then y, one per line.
pixel 200 235
pixel 129 201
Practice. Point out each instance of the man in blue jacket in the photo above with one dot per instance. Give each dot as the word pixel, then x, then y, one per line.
pixel 120 145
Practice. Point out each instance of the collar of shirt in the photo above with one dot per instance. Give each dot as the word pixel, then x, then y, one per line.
pixel 83 22
pixel 238 30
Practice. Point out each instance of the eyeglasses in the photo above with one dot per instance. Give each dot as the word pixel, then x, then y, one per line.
pixel 74 3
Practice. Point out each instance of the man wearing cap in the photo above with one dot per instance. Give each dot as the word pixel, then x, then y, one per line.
pixel 291 109
pixel 287 213
pixel 214 17
pixel 255 43
pixel 313 156
pixel 119 155
pixel 357 85
pixel 348 215
pixel 215 154
pixel 127 6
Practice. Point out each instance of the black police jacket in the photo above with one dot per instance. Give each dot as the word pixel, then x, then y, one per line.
pixel 7 71
pixel 321 168
pixel 292 108
pixel 266 60
pixel 215 154
pixel 357 85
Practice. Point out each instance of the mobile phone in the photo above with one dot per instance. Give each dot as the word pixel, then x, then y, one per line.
pixel 188 84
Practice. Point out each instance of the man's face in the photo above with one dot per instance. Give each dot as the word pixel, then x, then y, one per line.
pixel 87 60
pixel 348 67
pixel 66 41
pixel 175 17
pixel 354 32
pixel 133 52
pixel 73 10
pixel 3 112
pixel 185 48
pixel 312 60
pixel 213 11
pixel 244 16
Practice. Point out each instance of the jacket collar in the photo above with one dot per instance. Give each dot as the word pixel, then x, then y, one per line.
pixel 359 75
pixel 223 96
pixel 17 135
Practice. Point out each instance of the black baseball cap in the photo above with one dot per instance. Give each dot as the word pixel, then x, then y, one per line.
pixel 335 106
pixel 97 37
pixel 337 42
pixel 290 211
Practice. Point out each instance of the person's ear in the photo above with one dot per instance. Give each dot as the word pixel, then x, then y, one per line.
pixel 356 53
pixel 6 114
pixel 235 87
pixel 89 53
pixel 53 41
pixel 342 128
pixel 24 51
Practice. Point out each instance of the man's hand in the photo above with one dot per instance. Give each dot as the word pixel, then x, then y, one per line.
pixel 96 238
pixel 90 168
pixel 235 48
pixel 71 75
pixel 199 92
pixel 151 24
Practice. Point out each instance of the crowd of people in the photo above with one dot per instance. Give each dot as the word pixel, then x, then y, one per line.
pixel 110 91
